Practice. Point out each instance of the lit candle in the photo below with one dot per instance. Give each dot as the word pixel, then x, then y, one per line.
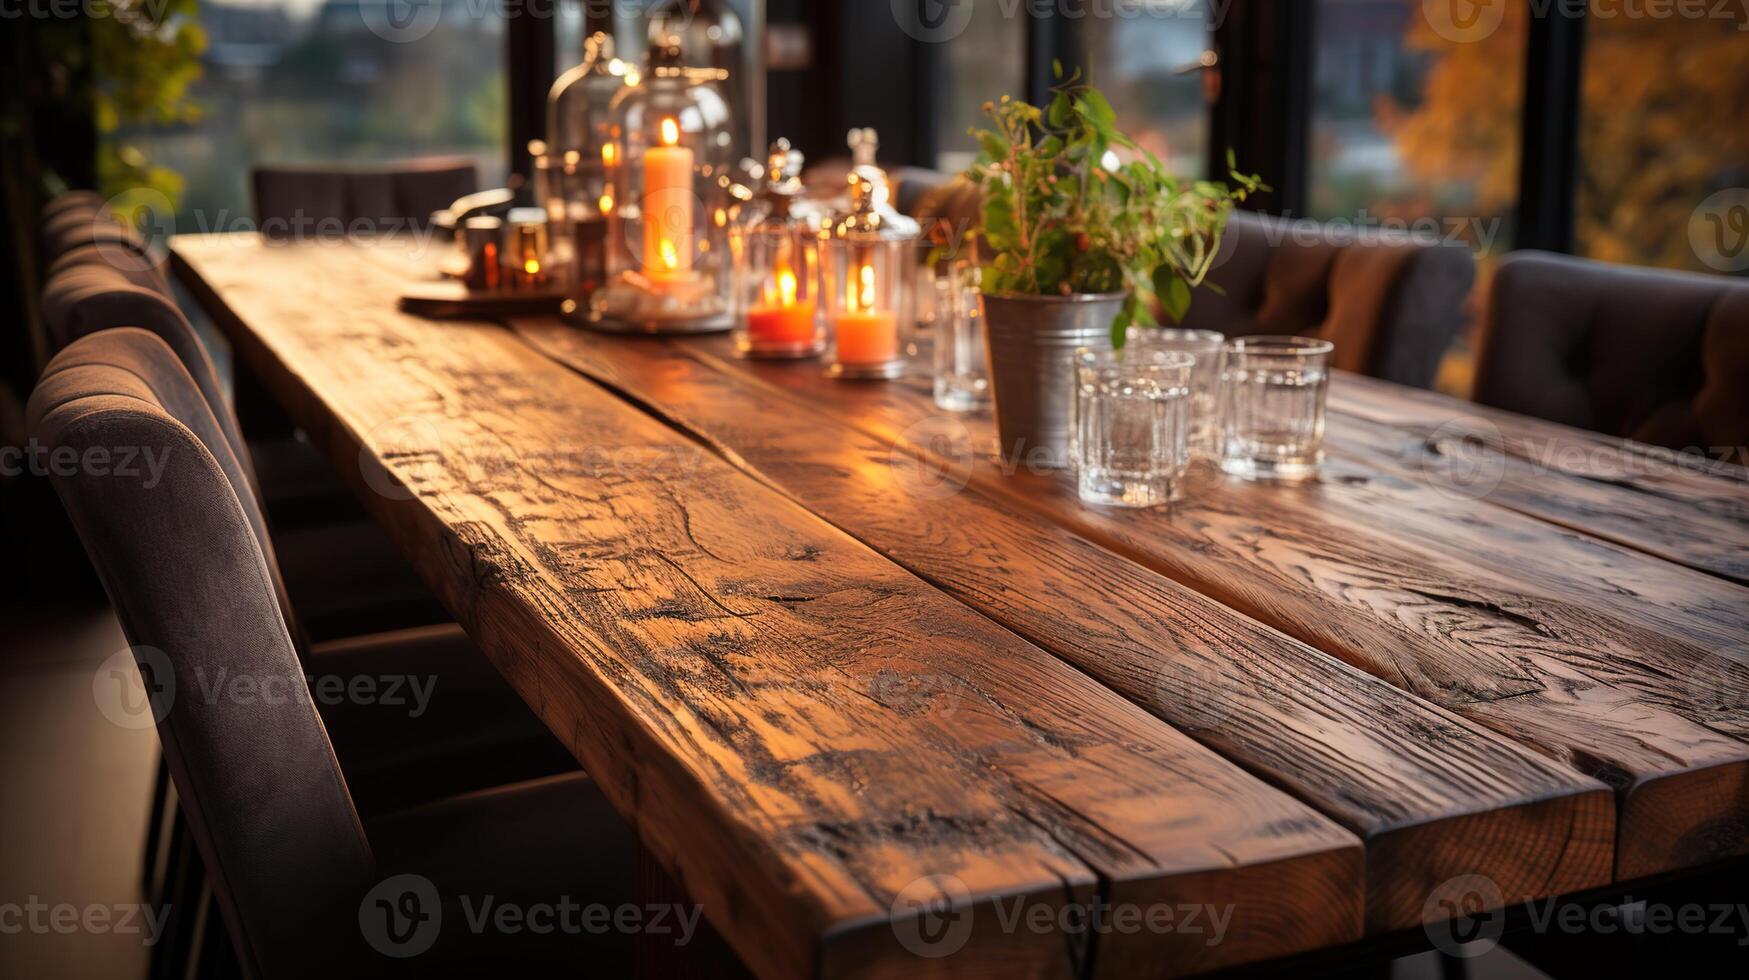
pixel 668 203
pixel 780 319
pixel 865 334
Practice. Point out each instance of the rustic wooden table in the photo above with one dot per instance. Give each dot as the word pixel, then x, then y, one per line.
pixel 843 669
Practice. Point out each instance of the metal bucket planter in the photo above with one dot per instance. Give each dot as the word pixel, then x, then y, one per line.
pixel 1032 343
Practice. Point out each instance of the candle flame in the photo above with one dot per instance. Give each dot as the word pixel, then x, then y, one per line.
pixel 786 287
pixel 862 290
pixel 670 132
pixel 607 204
pixel 670 257
pixel 531 267
pixel 722 218
pixel 609 153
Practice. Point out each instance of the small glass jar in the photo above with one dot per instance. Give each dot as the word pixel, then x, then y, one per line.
pixel 1130 425
pixel 1206 347
pixel 962 374
pixel 483 241
pixel 524 252
pixel 1273 396
pixel 776 278
pixel 865 287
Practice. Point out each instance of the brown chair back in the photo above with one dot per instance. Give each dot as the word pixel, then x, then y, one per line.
pixel 1391 303
pixel 1651 355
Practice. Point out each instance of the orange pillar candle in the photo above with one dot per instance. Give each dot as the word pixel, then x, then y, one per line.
pixel 865 335
pixel 668 204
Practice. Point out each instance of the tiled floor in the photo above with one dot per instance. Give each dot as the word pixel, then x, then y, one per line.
pixel 76 789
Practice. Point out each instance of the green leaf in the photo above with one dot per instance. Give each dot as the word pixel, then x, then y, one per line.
pixel 993 145
pixel 1093 107
pixel 1173 291
pixel 1058 114
pixel 1057 68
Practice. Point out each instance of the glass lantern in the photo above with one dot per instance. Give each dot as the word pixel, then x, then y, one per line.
pixel 865 293
pixel 777 268
pixel 668 260
pixel 581 150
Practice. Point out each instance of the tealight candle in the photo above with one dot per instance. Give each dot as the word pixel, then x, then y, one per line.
pixel 868 336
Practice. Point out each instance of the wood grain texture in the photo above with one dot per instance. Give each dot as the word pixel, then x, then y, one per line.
pixel 1433 796
pixel 814 742
pixel 1655 716
pixel 1683 508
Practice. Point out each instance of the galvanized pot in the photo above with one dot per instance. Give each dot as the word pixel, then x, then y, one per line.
pixel 1032 343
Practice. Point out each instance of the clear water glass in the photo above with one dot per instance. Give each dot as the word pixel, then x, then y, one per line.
pixel 962 374
pixel 1273 394
pixel 1206 347
pixel 1130 427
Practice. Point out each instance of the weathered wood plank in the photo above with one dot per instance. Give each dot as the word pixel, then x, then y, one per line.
pixel 1433 796
pixel 805 734
pixel 1683 508
pixel 1654 716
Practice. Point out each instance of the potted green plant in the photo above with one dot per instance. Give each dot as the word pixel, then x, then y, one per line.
pixel 1079 247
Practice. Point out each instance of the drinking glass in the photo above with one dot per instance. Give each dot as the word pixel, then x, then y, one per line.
pixel 962 376
pixel 1129 429
pixel 1206 347
pixel 1273 391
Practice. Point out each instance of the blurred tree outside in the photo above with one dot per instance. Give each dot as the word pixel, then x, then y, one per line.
pixel 1664 101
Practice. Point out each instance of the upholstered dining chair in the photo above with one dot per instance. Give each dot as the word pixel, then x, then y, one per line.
pixel 290 199
pixel 471 717
pixel 1392 304
pixel 1656 356
pixel 291 857
pixel 343 575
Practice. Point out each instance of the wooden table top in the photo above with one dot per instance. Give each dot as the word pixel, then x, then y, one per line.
pixel 843 669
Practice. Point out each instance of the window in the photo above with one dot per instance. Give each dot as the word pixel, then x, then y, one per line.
pixel 1146 56
pixel 1663 149
pixel 1412 127
pixel 982 63
pixel 295 81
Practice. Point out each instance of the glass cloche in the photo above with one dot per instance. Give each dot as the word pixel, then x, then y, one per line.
pixel 668 260
pixel 580 150
pixel 711 35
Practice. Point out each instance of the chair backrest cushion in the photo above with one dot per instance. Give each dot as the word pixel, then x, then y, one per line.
pixel 1657 356
pixel 174 546
pixel 83 299
pixel 1391 303
pixel 141 274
